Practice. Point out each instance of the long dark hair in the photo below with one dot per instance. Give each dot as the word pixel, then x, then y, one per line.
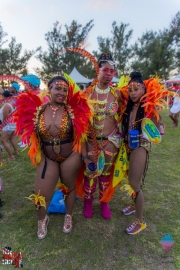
pixel 135 77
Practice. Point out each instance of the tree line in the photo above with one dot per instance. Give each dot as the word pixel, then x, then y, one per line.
pixel 153 53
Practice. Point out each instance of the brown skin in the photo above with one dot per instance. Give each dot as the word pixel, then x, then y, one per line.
pixel 6 137
pixel 139 155
pixel 68 169
pixel 13 91
pixel 106 73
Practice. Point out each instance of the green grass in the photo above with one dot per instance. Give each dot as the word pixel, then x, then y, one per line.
pixel 97 244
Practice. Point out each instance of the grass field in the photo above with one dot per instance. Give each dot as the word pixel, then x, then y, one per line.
pixel 97 244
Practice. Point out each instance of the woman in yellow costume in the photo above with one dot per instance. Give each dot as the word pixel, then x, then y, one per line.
pixel 55 132
pixel 100 151
pixel 145 98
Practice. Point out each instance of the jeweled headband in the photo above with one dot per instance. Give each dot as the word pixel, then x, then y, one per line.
pixel 106 57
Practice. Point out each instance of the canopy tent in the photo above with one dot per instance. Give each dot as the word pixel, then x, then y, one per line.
pixel 77 77
pixel 174 80
pixel 115 80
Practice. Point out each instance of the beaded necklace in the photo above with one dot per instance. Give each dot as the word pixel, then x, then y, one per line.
pixel 62 132
pixel 102 91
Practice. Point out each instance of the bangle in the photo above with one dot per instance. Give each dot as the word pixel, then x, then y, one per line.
pixel 85 157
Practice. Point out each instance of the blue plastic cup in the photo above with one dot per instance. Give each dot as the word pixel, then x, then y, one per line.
pixel 133 138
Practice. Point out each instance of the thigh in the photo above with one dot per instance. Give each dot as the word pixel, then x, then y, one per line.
pixel 110 156
pixel 11 135
pixel 69 169
pixel 5 136
pixel 48 184
pixel 137 163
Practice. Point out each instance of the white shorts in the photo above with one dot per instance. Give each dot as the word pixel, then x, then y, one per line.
pixel 10 127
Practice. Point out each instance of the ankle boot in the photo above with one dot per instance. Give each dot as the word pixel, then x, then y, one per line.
pixel 104 207
pixel 88 198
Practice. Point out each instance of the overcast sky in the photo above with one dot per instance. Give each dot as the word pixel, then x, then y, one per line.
pixel 29 20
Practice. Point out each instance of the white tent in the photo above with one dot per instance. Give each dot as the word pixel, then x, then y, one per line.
pixel 175 79
pixel 115 80
pixel 77 77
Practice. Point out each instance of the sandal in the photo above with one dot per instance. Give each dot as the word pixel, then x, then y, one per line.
pixel 136 227
pixel 129 210
pixel 42 227
pixel 9 159
pixel 67 223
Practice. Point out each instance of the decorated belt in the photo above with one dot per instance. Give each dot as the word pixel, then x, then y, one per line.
pixel 57 143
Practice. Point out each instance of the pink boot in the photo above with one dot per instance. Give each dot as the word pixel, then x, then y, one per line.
pixel 88 198
pixel 103 184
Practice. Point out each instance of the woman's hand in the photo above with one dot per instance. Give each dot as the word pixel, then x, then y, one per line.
pixel 87 161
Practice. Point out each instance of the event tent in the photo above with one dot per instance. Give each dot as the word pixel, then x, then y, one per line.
pixel 77 77
pixel 115 80
pixel 174 80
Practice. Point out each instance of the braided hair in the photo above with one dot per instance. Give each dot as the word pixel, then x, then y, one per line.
pixel 135 77
pixel 105 58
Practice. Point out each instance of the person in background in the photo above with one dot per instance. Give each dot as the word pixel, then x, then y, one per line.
pixel 34 83
pixel 81 86
pixel 175 109
pixel 7 136
pixel 15 89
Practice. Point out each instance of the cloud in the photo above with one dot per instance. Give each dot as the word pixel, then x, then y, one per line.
pixel 99 5
pixel 27 10
pixel 9 11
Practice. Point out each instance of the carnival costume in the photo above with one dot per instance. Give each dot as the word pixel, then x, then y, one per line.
pixel 149 106
pixel 30 117
pixel 99 144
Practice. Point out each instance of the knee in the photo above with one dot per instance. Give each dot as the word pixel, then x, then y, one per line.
pixel 3 140
pixel 135 186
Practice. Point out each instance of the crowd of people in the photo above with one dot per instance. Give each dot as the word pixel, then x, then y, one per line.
pixel 83 137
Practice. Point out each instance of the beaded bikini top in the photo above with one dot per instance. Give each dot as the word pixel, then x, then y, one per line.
pixel 62 133
pixel 100 111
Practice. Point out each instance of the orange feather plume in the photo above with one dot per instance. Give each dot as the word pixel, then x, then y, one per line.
pixel 154 99
pixel 90 57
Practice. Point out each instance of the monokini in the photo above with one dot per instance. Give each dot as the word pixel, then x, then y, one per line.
pixel 52 146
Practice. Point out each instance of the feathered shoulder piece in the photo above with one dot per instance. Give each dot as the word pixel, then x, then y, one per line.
pixel 25 116
pixel 80 114
pixel 124 97
pixel 154 99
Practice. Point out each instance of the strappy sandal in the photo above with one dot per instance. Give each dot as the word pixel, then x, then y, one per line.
pixel 42 227
pixel 67 223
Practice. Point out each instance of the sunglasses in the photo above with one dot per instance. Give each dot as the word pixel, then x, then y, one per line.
pixel 107 71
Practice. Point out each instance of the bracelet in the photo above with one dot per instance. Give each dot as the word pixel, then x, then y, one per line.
pixel 85 157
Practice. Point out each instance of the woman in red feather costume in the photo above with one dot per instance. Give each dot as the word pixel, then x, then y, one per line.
pixel 55 137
